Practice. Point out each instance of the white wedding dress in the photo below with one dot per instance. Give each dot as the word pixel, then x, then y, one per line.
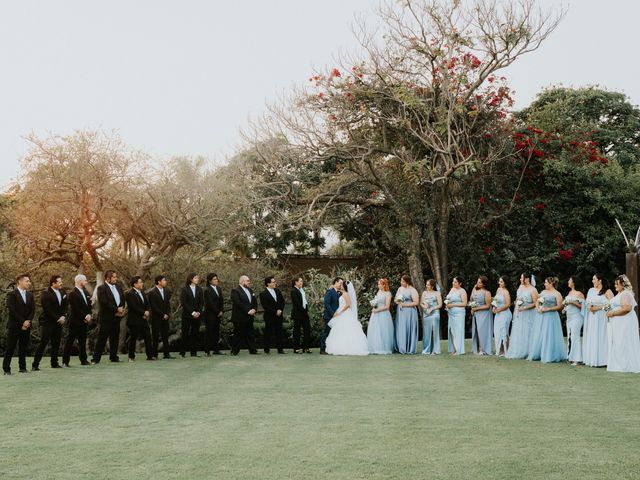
pixel 346 336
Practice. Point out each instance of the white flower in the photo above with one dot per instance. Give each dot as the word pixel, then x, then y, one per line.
pixel 472 304
pixel 519 302
pixel 541 301
pixel 373 302
pixel 494 302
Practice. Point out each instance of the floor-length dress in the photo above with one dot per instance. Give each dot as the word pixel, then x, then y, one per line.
pixel 380 331
pixel 346 336
pixel 430 325
pixel 455 327
pixel 406 326
pixel 481 326
pixel 501 323
pixel 575 320
pixel 594 336
pixel 624 341
pixel 547 344
pixel 521 327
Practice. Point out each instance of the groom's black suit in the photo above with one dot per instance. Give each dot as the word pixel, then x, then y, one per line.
pixel 331 299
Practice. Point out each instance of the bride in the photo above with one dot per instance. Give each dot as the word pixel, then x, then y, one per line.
pixel 346 336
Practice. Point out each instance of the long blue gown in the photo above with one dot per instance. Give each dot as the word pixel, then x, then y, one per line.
pixel 455 328
pixel 406 326
pixel 521 328
pixel 547 344
pixel 431 325
pixel 624 342
pixel 380 332
pixel 481 326
pixel 575 320
pixel 501 323
pixel 594 336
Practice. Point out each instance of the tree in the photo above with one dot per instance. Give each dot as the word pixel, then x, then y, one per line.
pixel 407 130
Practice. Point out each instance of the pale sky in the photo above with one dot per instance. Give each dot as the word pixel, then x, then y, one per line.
pixel 178 77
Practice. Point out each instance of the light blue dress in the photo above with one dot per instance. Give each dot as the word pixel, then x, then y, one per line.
pixel 594 336
pixel 575 320
pixel 521 328
pixel 455 328
pixel 406 326
pixel 547 343
pixel 481 326
pixel 624 342
pixel 501 323
pixel 430 325
pixel 380 332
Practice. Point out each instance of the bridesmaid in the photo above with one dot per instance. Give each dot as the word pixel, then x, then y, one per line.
pixel 481 318
pixel 547 343
pixel 523 316
pixel 594 339
pixel 624 342
pixel 455 303
pixel 431 304
pixel 575 307
pixel 502 319
pixel 407 299
pixel 380 331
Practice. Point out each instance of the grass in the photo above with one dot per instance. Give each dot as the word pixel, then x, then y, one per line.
pixel 307 416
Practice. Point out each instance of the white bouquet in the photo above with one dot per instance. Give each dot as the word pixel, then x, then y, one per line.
pixel 541 301
pixel 472 304
pixel 399 299
pixel 447 300
pixel 373 302
pixel 519 302
pixel 607 306
pixel 494 302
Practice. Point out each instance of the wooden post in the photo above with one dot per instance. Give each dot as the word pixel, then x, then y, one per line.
pixel 632 271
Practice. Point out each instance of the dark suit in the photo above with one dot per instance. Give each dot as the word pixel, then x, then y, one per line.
pixel 159 326
pixel 50 329
pixel 109 322
pixel 137 304
pixel 19 312
pixel 242 321
pixel 272 321
pixel 213 308
pixel 330 306
pixel 79 308
pixel 300 317
pixel 190 326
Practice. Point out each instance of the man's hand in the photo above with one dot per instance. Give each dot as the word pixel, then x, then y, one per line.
pixel 87 319
pixel 26 325
pixel 146 315
pixel 278 313
pixel 252 312
pixel 166 317
pixel 61 320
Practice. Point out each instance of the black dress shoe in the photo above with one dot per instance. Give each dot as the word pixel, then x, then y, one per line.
pixel 281 352
pixel 234 353
pixel 182 355
pixel 167 356
pixel 35 368
pixel 56 366
pixel 66 365
pixel 297 351
pixel 267 351
pixel 254 352
pixel 84 362
pixel 114 360
pixel 23 370
pixel 218 352
pixel 307 351
pixel 323 353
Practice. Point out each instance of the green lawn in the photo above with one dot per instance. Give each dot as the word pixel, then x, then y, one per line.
pixel 307 416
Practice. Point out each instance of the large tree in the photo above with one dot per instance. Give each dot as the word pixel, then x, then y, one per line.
pixel 408 128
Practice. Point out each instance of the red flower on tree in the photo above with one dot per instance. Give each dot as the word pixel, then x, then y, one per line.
pixel 487 250
pixel 335 73
pixel 540 207
pixel 482 200
pixel 565 255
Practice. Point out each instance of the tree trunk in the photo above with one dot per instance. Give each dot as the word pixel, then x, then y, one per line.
pixel 415 265
pixel 632 271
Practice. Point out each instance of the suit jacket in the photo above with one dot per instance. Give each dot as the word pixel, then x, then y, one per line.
pixel 137 307
pixel 241 305
pixel 190 303
pixel 159 307
pixel 330 303
pixel 79 309
pixel 19 311
pixel 213 304
pixel 107 302
pixel 297 310
pixel 51 309
pixel 270 305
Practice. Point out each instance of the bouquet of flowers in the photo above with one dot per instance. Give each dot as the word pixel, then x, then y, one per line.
pixel 373 302
pixel 447 300
pixel 494 302
pixel 399 299
pixel 541 301
pixel 519 302
pixel 472 304
pixel 607 306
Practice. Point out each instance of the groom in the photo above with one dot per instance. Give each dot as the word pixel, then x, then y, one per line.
pixel 330 307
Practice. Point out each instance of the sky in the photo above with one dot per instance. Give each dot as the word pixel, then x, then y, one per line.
pixel 182 77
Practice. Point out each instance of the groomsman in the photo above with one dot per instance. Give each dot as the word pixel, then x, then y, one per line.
pixel 159 300
pixel 300 316
pixel 273 303
pixel 244 308
pixel 21 307
pixel 213 311
pixel 192 302
pixel 80 318
pixel 138 319
pixel 52 318
pixel 111 301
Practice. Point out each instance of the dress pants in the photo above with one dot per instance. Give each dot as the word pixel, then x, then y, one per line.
pixel 273 326
pixel 77 331
pixel 243 333
pixel 49 332
pixel 19 337
pixel 160 329
pixel 109 329
pixel 140 331
pixel 212 335
pixel 303 324
pixel 190 329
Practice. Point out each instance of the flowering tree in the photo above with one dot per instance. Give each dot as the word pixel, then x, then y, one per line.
pixel 407 130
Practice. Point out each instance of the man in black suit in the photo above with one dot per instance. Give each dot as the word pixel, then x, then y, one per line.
pixel 22 307
pixel 272 303
pixel 244 308
pixel 159 300
pixel 138 316
pixel 80 318
pixel 111 301
pixel 213 310
pixel 52 318
pixel 192 302
pixel 300 316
